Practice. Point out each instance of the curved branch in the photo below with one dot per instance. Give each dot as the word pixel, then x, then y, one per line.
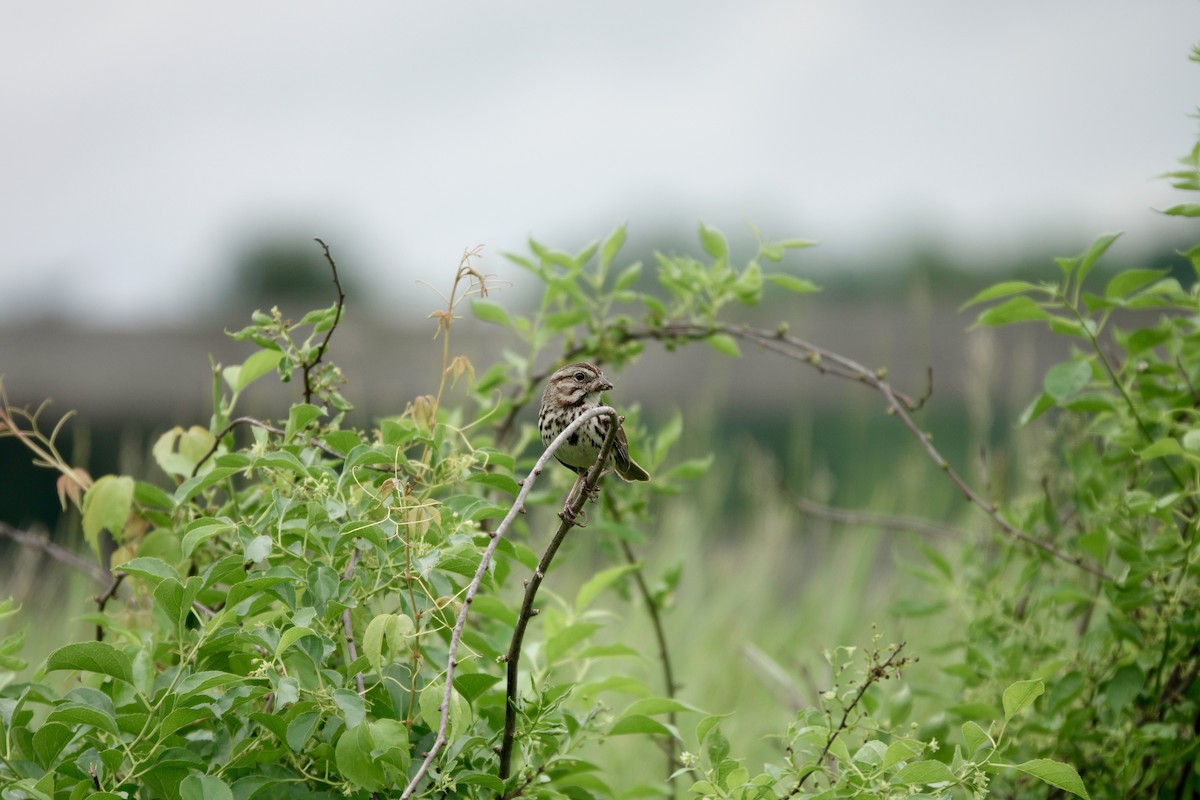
pixel 337 317
pixel 55 551
pixel 569 516
pixel 518 507
pixel 899 404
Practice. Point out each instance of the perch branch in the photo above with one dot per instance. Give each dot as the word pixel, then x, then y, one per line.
pixel 518 507
pixel 569 517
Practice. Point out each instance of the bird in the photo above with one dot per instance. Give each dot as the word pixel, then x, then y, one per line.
pixel 571 391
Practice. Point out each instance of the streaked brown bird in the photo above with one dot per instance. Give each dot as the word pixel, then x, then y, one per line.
pixel 570 392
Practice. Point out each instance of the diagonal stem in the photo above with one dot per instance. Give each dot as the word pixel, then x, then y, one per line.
pixel 569 516
pixel 460 623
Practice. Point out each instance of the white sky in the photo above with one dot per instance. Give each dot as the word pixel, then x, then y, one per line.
pixel 141 142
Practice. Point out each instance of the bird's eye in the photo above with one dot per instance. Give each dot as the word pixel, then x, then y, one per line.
pixel 579 376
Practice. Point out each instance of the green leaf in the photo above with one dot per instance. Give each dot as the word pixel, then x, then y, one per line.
pixel 608 251
pixel 431 698
pixel 637 723
pixel 748 287
pixel 1184 210
pixel 707 724
pixel 562 641
pixel 1161 449
pixel 490 312
pixel 901 750
pixel 106 506
pixel 49 740
pixel 373 639
pixel 99 657
pixel 201 530
pixel 1126 283
pixel 291 636
pixel 1020 695
pixel 598 583
pixel 300 416
pixel 1093 254
pixel 996 291
pixel 474 684
pixel 258 548
pixel 724 343
pixel 1055 773
pixel 260 363
pixel 562 320
pixel 73 714
pixel 975 737
pixel 1064 381
pixel 793 284
pixel 204 787
pixel 353 757
pixel 1040 405
pixel 301 729
pixel 392 746
pixel 1125 685
pixel 649 706
pixel 352 706
pixel 498 480
pixel 151 570
pixel 691 469
pixel 178 451
pixel 628 277
pixel 924 772
pixel 1016 309
pixel 714 242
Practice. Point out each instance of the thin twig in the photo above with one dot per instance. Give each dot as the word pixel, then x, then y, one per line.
pixel 103 598
pixel 518 507
pixel 660 636
pixel 664 653
pixel 55 551
pixel 868 520
pixel 876 673
pixel 266 426
pixel 899 404
pixel 569 517
pixel 337 317
pixel 348 625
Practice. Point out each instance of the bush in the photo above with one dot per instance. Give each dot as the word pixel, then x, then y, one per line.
pixel 310 610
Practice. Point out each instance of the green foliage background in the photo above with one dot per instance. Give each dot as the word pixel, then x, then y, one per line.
pixel 294 612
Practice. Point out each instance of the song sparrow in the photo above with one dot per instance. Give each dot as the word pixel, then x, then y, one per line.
pixel 571 391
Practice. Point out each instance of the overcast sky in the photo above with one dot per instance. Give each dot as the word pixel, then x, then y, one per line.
pixel 142 143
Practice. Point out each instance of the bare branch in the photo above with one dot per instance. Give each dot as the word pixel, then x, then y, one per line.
pixel 569 516
pixel 899 404
pixel 55 551
pixel 103 598
pixel 868 520
pixel 337 317
pixel 654 612
pixel 877 672
pixel 348 625
pixel 518 507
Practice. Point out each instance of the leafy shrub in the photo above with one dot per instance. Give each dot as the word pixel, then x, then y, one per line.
pixel 313 610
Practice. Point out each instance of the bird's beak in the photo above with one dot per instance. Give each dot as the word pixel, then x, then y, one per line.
pixel 602 385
